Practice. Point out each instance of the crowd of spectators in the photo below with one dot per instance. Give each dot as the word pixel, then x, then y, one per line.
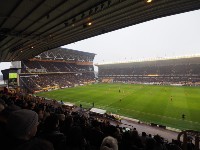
pixel 172 70
pixel 183 74
pixel 61 80
pixel 44 73
pixel 158 80
pixel 29 122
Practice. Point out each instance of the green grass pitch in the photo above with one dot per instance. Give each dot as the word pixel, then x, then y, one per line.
pixel 148 103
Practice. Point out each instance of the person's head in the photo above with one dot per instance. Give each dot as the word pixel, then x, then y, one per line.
pixel 69 121
pixel 2 105
pixel 32 105
pixel 22 124
pixel 40 113
pixel 46 114
pixel 158 139
pixel 51 122
pixel 144 134
pixel 61 117
pixel 109 143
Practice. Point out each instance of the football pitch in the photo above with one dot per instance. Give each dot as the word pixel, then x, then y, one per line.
pixel 162 105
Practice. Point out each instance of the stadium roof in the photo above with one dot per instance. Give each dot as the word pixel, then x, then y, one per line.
pixel 66 54
pixel 30 27
pixel 194 59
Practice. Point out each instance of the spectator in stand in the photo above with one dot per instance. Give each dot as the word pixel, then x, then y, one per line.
pixel 96 132
pixel 76 140
pixel 68 123
pixel 136 139
pixel 21 127
pixel 190 145
pixel 143 137
pixel 50 131
pixel 159 144
pixel 109 143
pixel 150 144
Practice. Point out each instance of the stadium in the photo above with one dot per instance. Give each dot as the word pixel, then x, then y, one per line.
pixel 180 71
pixel 174 80
pixel 52 99
pixel 58 68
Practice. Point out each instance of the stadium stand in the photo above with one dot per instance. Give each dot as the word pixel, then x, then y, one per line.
pixel 57 68
pixel 179 71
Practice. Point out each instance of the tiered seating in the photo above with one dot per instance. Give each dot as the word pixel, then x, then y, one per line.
pixel 57 68
pixel 162 70
pixel 54 66
pixel 42 81
pixel 181 73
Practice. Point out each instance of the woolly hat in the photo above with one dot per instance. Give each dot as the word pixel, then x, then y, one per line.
pixel 20 122
pixel 109 143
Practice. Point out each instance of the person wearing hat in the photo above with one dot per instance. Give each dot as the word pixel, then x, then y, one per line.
pixel 21 127
pixel 109 143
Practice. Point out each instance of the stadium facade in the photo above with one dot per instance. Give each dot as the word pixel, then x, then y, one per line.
pixel 57 68
pixel 179 71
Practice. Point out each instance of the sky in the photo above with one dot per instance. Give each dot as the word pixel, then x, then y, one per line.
pixel 177 35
